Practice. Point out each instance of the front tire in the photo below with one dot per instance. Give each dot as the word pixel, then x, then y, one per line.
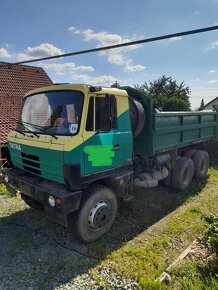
pixel 97 213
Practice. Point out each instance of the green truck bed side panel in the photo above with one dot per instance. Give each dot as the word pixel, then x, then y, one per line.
pixel 177 129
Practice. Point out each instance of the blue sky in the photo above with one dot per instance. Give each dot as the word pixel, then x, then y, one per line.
pixel 31 29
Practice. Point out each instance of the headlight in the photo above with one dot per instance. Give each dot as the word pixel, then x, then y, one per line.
pixel 6 179
pixel 51 200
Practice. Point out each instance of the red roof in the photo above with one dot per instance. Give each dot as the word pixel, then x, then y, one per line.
pixel 15 82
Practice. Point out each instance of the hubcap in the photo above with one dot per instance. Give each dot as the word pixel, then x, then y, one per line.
pixel 99 215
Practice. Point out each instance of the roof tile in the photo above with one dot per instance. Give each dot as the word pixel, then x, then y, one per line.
pixel 15 82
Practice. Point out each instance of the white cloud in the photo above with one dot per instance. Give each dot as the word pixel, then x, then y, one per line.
pixel 176 38
pixel 213 45
pixel 42 50
pixel 133 68
pixel 71 28
pixel 212 71
pixel 213 82
pixel 104 38
pixel 114 56
pixel 100 80
pixel 66 68
pixel 4 53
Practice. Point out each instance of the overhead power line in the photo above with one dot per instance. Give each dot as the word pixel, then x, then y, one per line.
pixel 157 38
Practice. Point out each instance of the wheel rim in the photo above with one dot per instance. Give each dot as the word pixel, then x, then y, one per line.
pixel 99 215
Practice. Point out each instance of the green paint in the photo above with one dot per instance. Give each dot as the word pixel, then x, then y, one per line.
pixel 50 161
pixel 100 155
pixel 94 155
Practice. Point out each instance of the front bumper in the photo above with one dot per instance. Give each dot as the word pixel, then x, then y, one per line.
pixel 40 190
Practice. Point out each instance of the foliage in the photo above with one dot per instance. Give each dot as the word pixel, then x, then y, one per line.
pixel 167 94
pixel 211 236
pixel 201 106
pixel 115 85
pixel 2 189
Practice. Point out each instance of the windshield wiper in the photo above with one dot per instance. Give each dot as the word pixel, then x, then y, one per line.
pixel 22 123
pixel 41 128
pixel 19 131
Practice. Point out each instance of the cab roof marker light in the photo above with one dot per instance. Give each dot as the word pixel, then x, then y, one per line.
pixel 93 89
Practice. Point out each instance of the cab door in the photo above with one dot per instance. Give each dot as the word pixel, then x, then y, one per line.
pixel 105 146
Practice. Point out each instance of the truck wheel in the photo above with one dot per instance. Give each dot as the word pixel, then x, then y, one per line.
pixel 183 173
pixel 31 202
pixel 201 164
pixel 190 153
pixel 97 213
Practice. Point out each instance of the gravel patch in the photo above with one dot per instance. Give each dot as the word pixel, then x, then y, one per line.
pixel 106 279
pixel 39 254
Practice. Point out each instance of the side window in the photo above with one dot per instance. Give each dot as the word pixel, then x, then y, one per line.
pixel 105 109
pixel 113 112
pixel 90 115
pixel 102 120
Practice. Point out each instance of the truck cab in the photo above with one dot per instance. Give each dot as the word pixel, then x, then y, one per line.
pixel 67 138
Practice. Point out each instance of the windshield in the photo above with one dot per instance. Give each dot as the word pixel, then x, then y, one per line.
pixel 56 112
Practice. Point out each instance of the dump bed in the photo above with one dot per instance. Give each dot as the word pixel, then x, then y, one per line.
pixel 177 129
pixel 164 131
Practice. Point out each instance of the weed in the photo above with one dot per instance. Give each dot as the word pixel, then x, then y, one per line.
pixel 211 235
pixel 3 189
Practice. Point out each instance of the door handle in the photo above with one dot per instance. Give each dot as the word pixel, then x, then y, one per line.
pixel 116 147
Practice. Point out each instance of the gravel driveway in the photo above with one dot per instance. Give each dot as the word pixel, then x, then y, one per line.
pixel 36 253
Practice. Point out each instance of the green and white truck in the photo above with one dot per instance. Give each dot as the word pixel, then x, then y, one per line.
pixel 78 149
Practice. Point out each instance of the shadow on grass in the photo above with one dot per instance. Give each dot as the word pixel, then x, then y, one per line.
pixel 48 255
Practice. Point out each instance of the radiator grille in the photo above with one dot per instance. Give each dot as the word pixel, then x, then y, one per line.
pixel 31 163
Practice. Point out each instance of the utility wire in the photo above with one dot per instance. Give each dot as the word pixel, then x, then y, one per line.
pixel 157 38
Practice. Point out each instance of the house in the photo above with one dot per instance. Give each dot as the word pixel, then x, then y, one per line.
pixel 15 82
pixel 209 106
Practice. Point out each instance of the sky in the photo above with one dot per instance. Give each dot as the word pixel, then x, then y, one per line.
pixel 32 29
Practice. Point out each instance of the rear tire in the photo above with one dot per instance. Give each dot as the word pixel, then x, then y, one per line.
pixel 97 213
pixel 201 164
pixel 31 202
pixel 182 175
pixel 190 153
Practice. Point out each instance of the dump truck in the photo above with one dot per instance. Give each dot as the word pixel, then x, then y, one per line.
pixel 78 150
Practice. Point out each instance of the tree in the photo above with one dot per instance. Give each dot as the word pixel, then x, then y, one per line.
pixel 167 94
pixel 115 85
pixel 201 106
